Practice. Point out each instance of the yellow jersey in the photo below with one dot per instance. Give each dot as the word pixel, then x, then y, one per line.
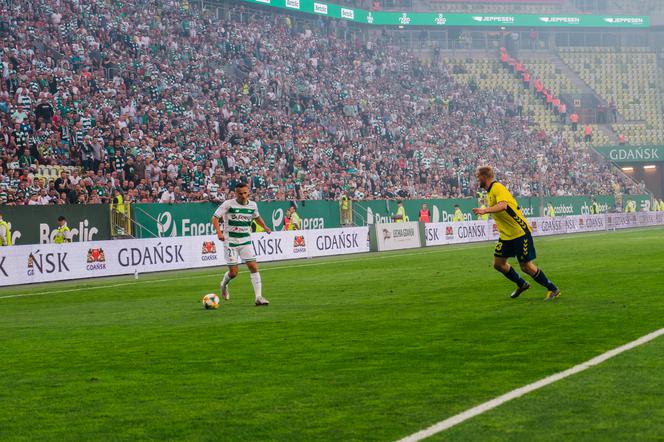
pixel 401 215
pixel 119 203
pixel 7 240
pixel 62 235
pixel 510 222
pixel 257 228
pixel 294 222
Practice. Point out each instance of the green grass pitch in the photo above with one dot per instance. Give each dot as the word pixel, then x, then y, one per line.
pixel 364 347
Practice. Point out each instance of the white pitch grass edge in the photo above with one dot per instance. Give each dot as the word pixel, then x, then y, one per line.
pixel 486 406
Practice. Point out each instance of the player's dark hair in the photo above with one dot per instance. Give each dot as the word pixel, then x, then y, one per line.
pixel 62 218
pixel 238 185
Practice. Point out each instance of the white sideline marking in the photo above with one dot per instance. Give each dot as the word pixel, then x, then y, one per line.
pixel 486 406
pixel 207 275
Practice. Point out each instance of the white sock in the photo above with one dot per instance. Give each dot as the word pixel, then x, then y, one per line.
pixel 258 285
pixel 226 280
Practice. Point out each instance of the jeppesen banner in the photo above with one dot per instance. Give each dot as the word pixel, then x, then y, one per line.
pixel 441 19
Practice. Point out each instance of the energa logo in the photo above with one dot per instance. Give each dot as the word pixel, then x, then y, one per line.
pixel 277 218
pixel 165 225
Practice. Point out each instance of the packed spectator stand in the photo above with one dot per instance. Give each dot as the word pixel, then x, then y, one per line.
pixel 158 98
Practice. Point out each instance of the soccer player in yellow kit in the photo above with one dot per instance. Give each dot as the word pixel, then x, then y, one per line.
pixel 515 235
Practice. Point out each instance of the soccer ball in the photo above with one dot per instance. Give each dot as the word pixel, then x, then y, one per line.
pixel 211 301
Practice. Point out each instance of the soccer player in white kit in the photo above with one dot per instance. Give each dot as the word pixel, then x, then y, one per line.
pixel 237 215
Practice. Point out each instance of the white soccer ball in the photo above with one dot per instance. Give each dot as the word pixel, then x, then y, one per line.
pixel 210 301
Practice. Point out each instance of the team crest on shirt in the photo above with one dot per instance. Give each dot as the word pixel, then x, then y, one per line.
pixel 209 251
pixel 299 244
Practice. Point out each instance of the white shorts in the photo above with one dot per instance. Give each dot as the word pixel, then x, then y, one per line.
pixel 233 255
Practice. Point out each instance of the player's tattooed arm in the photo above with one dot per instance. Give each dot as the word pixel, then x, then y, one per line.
pixel 217 228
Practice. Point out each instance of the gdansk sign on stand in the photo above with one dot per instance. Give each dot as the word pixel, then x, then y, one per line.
pixel 632 154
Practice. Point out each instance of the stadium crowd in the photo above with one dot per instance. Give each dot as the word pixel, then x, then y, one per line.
pixel 168 104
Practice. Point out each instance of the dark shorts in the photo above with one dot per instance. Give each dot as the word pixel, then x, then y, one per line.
pixel 523 248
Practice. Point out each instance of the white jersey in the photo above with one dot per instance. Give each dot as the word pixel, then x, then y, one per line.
pixel 237 220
